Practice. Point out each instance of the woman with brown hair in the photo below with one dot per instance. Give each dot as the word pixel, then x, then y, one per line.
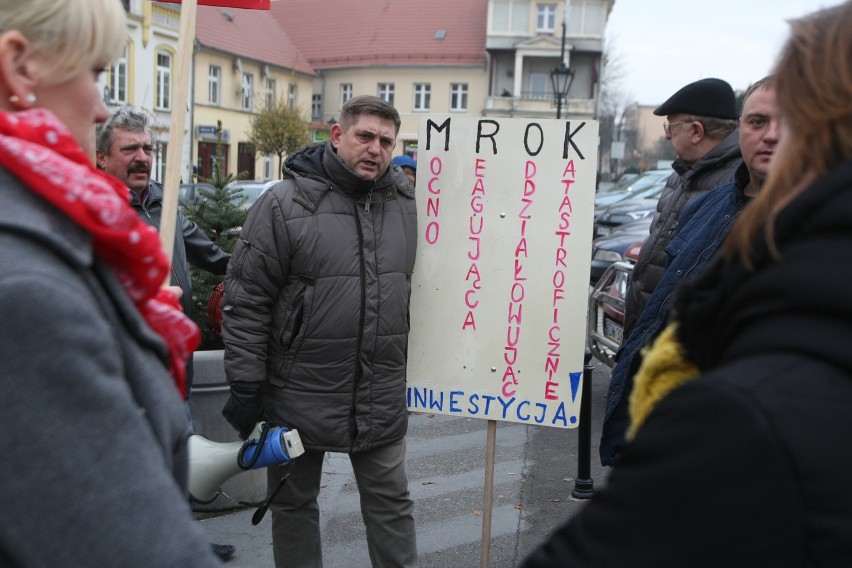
pixel 741 408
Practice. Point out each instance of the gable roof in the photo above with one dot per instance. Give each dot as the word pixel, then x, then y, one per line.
pixel 253 34
pixel 358 33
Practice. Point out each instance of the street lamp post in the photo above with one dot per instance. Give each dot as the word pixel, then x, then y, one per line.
pixel 561 76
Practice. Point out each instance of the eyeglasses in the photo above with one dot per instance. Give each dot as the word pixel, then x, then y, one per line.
pixel 667 126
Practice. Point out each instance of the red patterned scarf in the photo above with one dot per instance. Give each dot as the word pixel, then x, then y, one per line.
pixel 40 151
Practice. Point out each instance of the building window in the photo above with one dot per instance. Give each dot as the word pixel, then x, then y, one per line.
pixel 248 91
pixel 587 18
pixel 316 106
pixel 118 79
pixel 546 18
pixel 271 99
pixel 164 80
pixel 292 95
pixel 540 86
pixel 345 92
pixel 511 16
pixel 458 96
pixel 422 96
pixel 386 92
pixel 214 85
pixel 245 159
pixel 267 166
pixel 159 165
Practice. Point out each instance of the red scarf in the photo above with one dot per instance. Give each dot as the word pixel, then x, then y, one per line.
pixel 40 151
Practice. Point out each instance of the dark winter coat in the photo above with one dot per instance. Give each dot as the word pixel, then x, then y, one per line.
pixel 192 246
pixel 316 302
pixel 688 183
pixel 745 465
pixel 94 440
pixel 706 222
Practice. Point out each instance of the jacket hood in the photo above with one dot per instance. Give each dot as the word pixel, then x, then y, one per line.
pixel 320 161
pixel 797 303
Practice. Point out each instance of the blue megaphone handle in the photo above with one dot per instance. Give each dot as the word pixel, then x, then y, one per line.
pixel 272 449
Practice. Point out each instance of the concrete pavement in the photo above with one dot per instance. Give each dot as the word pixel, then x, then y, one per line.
pixel 533 478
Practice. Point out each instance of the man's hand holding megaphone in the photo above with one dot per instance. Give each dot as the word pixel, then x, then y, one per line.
pixel 244 408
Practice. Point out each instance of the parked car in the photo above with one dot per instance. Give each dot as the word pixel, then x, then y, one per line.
pixel 250 190
pixel 611 248
pixel 188 193
pixel 627 211
pixel 632 187
pixel 606 307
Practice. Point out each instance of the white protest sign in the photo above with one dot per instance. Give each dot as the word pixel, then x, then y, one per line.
pixel 500 287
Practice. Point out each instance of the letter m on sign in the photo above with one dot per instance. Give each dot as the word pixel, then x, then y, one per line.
pixel 245 4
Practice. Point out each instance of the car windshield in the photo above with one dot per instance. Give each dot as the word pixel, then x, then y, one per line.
pixel 643 183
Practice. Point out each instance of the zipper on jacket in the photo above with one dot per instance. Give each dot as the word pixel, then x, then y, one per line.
pixel 367 201
pixel 363 316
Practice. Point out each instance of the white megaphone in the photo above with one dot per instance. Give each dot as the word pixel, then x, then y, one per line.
pixel 213 463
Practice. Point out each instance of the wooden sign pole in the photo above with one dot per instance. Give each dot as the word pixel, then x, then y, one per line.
pixel 178 121
pixel 488 497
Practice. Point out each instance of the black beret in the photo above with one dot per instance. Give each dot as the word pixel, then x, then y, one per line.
pixel 707 97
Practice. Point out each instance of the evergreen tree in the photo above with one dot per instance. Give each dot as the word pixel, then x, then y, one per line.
pixel 219 214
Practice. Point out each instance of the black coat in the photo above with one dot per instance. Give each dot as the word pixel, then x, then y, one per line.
pixel 191 244
pixel 746 465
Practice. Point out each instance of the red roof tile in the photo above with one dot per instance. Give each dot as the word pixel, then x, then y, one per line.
pixel 254 34
pixel 346 33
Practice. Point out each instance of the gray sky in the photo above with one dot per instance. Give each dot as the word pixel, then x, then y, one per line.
pixel 662 45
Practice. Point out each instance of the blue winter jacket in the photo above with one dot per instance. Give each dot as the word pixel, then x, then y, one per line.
pixel 710 217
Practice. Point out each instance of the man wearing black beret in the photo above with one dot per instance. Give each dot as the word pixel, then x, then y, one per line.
pixel 701 123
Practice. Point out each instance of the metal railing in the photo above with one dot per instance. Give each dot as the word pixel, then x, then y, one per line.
pixel 606 312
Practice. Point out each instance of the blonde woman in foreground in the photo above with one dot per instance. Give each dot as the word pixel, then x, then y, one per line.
pixel 92 351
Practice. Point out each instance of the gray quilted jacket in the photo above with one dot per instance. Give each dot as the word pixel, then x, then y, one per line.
pixel 689 182
pixel 94 433
pixel 316 302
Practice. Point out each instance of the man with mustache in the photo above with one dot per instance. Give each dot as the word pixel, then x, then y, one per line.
pixel 709 218
pixel 124 149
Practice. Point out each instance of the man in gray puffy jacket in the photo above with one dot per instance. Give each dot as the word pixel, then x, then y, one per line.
pixel 316 321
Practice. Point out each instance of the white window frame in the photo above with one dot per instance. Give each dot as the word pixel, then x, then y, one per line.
pixel 545 20
pixel 247 91
pixel 540 87
pixel 164 80
pixel 118 78
pixel 214 85
pixel 345 93
pixel 271 86
pixel 292 95
pixel 422 97
pixel 458 96
pixel 316 105
pixel 386 92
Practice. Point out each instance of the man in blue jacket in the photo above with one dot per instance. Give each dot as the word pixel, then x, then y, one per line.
pixel 710 217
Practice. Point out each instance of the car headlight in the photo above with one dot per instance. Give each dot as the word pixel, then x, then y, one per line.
pixel 607 256
pixel 641 214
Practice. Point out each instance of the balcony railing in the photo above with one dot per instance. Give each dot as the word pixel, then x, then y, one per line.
pixel 537 104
